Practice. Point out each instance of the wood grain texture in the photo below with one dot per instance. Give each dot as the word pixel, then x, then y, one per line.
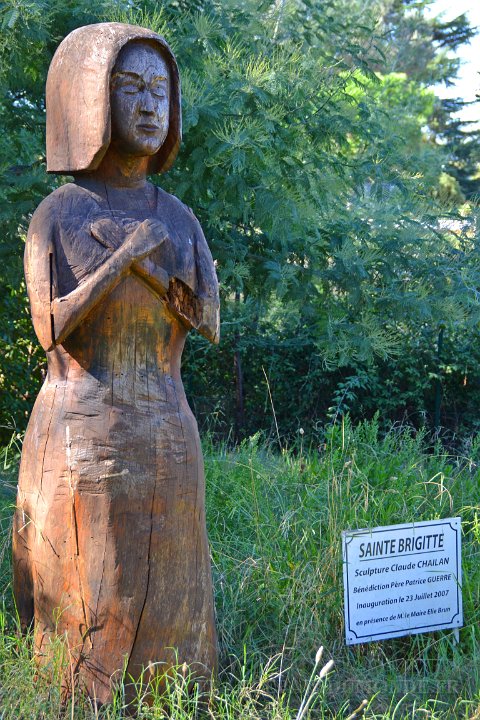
pixel 109 544
pixel 77 98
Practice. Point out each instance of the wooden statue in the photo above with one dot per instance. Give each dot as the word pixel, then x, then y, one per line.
pixel 110 547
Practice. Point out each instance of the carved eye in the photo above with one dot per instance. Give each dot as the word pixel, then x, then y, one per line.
pixel 159 92
pixel 130 88
pixel 127 84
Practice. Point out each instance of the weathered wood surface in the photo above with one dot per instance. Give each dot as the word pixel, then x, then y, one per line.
pixel 78 104
pixel 110 544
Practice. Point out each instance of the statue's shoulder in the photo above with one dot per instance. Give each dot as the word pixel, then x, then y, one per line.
pixel 180 213
pixel 68 200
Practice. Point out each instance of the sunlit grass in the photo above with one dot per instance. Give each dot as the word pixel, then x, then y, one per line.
pixel 275 522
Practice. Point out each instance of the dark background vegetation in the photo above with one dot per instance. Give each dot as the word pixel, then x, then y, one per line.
pixel 338 195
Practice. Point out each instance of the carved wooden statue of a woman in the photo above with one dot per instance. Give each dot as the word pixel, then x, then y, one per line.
pixel 110 545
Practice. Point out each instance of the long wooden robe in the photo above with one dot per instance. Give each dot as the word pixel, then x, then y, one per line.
pixel 110 544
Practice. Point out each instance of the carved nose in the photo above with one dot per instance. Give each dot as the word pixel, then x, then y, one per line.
pixel 148 104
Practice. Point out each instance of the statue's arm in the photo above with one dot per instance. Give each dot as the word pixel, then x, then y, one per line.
pixel 207 289
pixel 69 311
pixel 152 275
pixel 55 316
pixel 111 236
pixel 200 308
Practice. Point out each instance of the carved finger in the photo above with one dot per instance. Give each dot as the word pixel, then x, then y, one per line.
pixel 107 233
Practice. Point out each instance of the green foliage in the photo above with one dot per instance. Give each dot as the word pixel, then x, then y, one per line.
pixel 274 523
pixel 463 144
pixel 315 160
pixel 419 43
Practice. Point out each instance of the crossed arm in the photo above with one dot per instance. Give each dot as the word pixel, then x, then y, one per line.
pixel 54 316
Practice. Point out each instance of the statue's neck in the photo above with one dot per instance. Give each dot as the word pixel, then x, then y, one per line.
pixel 121 170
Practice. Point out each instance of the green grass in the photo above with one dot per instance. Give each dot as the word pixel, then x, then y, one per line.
pixel 275 522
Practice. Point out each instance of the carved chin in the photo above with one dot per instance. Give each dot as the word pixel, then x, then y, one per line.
pixel 147 137
pixel 140 146
pixel 152 148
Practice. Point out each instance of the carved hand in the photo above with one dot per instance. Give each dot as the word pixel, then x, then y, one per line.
pixel 148 236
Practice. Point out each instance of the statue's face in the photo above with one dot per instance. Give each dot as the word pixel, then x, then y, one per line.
pixel 139 100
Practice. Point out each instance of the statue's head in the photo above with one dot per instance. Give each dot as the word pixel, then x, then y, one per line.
pixel 112 84
pixel 139 99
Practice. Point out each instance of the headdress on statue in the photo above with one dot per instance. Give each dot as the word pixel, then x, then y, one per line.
pixel 78 98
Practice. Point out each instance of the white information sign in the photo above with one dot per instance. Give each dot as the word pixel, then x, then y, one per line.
pixel 402 579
